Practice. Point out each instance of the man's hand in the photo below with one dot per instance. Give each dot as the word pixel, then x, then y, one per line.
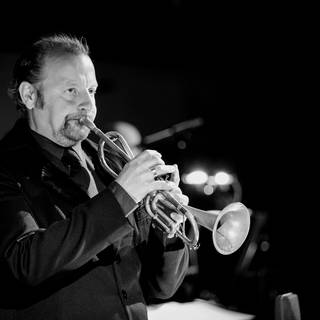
pixel 137 177
pixel 180 197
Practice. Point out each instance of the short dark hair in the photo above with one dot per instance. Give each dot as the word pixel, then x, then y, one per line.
pixel 29 65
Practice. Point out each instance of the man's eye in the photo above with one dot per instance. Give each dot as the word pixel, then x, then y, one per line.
pixel 72 91
pixel 92 91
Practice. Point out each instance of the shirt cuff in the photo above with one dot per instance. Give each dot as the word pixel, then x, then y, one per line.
pixel 126 202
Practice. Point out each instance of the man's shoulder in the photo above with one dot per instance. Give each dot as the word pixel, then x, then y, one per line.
pixel 16 147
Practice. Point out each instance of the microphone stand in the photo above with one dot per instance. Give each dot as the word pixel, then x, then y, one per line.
pixel 169 132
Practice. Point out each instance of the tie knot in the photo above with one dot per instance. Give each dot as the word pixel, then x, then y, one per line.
pixel 70 157
pixel 72 161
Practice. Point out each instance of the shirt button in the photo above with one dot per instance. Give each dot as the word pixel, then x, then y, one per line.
pixel 124 294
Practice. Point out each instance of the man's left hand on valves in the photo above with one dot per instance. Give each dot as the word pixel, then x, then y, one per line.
pixel 180 197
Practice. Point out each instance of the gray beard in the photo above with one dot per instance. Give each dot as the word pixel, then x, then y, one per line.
pixel 71 133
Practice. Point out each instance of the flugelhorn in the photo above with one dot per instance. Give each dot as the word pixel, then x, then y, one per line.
pixel 229 226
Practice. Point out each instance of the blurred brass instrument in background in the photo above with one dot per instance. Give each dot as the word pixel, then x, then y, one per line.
pixel 229 226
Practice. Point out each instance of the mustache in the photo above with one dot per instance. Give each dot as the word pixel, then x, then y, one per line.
pixel 79 115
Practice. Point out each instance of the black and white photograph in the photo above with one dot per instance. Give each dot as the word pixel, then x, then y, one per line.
pixel 150 163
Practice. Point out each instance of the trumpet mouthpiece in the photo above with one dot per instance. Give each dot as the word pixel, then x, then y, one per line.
pixel 87 122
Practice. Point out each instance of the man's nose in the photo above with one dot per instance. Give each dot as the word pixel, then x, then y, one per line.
pixel 87 101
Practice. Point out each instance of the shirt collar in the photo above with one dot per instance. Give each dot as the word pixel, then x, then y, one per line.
pixel 54 149
pixel 48 145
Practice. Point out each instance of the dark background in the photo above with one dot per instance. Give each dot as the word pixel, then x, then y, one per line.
pixel 161 63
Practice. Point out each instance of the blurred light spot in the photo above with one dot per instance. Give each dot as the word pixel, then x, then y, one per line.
pixel 181 145
pixel 222 178
pixel 264 246
pixel 195 177
pixel 208 189
pixel 211 180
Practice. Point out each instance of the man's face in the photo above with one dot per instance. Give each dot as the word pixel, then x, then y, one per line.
pixel 66 92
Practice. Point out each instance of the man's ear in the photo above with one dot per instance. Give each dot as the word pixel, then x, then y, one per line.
pixel 28 94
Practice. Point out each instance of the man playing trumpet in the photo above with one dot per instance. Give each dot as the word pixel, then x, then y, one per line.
pixel 75 242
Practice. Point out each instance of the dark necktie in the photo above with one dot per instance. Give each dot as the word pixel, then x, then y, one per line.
pixel 78 173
